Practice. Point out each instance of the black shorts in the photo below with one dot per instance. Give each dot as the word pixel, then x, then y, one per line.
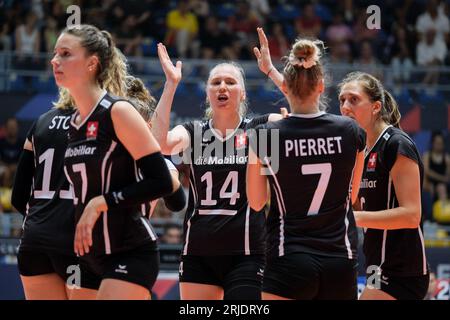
pixel 304 276
pixel 139 266
pixel 38 262
pixel 405 288
pixel 240 272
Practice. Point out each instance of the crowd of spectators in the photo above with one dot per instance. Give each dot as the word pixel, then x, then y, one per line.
pixel 413 32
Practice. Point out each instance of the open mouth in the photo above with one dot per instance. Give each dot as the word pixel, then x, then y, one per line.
pixel 222 98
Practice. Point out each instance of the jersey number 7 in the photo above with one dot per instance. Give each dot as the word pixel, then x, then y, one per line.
pixel 324 169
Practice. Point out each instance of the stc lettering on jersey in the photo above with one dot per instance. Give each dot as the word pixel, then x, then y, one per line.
pixel 240 140
pixel 92 129
pixel 372 163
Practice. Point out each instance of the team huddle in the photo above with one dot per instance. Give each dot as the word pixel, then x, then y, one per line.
pixel 274 200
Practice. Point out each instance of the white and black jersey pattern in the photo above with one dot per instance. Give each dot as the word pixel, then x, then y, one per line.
pixel 310 175
pixel 96 162
pixel 397 252
pixel 49 220
pixel 219 220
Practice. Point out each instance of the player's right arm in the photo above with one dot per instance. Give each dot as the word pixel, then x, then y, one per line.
pixel 24 178
pixel 177 139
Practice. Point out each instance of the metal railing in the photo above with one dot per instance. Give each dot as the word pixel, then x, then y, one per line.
pixel 195 71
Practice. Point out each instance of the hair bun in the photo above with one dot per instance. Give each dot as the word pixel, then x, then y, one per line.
pixel 305 53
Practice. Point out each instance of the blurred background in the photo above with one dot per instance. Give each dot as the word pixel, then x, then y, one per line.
pixel 409 53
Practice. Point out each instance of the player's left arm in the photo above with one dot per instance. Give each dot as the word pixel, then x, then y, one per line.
pixel 405 175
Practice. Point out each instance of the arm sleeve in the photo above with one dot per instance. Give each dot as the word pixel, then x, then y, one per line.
pixel 257 121
pixel 22 181
pixel 23 178
pixel 398 144
pixel 176 201
pixel 156 183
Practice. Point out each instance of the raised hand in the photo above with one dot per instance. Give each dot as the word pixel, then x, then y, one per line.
pixel 263 54
pixel 172 72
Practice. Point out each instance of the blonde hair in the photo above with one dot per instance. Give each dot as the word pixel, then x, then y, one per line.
pixel 112 68
pixel 243 106
pixel 303 69
pixel 140 97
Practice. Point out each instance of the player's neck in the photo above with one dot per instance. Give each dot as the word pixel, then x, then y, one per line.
pixel 86 99
pixel 224 122
pixel 306 106
pixel 374 134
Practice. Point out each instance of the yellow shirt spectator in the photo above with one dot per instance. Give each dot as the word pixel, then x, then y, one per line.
pixel 178 21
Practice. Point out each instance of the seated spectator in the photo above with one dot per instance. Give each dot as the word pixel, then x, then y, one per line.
pixel 213 39
pixel 10 149
pixel 182 29
pixel 172 234
pixel 433 19
pixel 367 62
pixel 244 23
pixel 338 32
pixel 51 33
pixel 436 164
pixel 128 37
pixel 339 36
pixel 5 31
pixel 27 40
pixel 308 24
pixel 201 10
pixel 278 43
pixel 261 9
pixel 401 62
pixel 431 51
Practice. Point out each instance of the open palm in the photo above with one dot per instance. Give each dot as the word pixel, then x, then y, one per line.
pixel 263 54
pixel 172 72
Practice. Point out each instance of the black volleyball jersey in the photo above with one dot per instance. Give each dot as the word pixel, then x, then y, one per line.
pixel 397 252
pixel 49 221
pixel 96 162
pixel 310 160
pixel 218 219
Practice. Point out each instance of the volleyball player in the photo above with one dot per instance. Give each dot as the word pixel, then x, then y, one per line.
pixel 43 195
pixel 390 195
pixel 114 164
pixel 223 252
pixel 313 170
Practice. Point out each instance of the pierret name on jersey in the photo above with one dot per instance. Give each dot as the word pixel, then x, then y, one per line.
pixel 313 146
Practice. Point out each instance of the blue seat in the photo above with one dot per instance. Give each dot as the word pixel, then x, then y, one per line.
pixel 224 11
pixel 286 12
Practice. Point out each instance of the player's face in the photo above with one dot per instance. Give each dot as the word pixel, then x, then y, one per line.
pixel 224 90
pixel 71 65
pixel 355 103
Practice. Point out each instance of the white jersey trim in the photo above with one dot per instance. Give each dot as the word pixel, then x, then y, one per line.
pixel 247 231
pixel 76 113
pixel 217 134
pixel 307 115
pixel 105 189
pixel 424 257
pixel 367 151
pixel 281 207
